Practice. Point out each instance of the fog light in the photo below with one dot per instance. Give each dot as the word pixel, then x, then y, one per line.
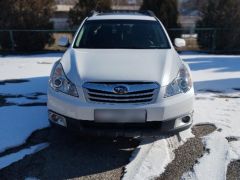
pixel 183 121
pixel 55 118
pixel 186 119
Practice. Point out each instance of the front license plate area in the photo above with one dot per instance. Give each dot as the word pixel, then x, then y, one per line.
pixel 120 116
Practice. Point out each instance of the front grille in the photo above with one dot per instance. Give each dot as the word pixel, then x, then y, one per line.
pixel 137 92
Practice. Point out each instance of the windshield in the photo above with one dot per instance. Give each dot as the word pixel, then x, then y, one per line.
pixel 121 34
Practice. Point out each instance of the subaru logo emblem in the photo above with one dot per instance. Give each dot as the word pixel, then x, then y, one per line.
pixel 120 90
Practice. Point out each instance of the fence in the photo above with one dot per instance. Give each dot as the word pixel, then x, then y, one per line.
pixel 198 39
pixel 46 38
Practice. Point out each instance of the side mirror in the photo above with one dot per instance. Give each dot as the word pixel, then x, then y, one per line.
pixel 179 42
pixel 63 41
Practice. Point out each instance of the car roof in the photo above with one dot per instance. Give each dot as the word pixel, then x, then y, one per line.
pixel 122 15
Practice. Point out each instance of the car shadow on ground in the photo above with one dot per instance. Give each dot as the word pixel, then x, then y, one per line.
pixel 73 156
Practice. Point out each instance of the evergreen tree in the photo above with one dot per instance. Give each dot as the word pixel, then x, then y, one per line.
pixel 225 16
pixel 165 10
pixel 84 7
pixel 26 14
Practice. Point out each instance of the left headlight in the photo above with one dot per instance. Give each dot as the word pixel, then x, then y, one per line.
pixel 181 84
pixel 59 81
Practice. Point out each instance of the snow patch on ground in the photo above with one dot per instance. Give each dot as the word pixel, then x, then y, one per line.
pixel 220 73
pixel 24 100
pixel 144 163
pixel 234 151
pixel 20 67
pixel 18 123
pixel 214 72
pixel 146 157
pixel 224 113
pixel 213 164
pixel 14 157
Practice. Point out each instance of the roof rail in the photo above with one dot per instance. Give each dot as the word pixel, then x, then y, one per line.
pixel 93 13
pixel 148 12
pixel 143 12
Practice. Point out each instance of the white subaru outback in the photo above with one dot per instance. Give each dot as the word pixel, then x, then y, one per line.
pixel 121 71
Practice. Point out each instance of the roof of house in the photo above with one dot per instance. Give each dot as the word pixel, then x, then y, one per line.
pixel 66 2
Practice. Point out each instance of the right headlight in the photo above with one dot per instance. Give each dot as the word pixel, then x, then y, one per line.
pixel 181 84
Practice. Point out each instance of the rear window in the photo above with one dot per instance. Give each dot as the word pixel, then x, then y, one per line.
pixel 121 34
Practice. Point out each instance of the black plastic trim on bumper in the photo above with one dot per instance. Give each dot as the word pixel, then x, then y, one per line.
pixel 123 129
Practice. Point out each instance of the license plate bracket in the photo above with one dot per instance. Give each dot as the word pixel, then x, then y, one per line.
pixel 120 116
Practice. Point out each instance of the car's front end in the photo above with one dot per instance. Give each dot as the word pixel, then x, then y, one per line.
pixel 95 87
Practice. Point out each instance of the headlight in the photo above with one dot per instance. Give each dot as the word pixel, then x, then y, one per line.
pixel 181 84
pixel 59 82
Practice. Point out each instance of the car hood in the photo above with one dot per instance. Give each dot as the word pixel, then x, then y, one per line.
pixel 98 65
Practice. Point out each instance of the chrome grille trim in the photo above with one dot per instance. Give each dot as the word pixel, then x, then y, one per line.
pixel 120 97
pixel 138 92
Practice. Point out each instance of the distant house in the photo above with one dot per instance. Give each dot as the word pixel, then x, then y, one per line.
pixel 188 13
pixel 188 21
pixel 60 18
pixel 126 4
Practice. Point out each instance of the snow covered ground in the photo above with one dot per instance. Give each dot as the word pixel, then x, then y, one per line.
pixel 18 120
pixel 222 108
pixel 217 84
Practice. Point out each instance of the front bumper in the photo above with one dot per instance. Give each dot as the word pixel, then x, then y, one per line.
pixel 121 129
pixel 164 112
